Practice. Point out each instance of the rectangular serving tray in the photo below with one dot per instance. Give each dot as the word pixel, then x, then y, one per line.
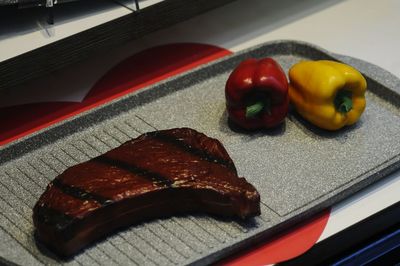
pixel 298 169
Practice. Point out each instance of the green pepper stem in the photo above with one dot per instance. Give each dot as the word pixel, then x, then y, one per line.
pixel 343 102
pixel 346 105
pixel 254 109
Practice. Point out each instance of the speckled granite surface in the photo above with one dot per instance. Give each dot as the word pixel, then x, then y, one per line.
pixel 297 168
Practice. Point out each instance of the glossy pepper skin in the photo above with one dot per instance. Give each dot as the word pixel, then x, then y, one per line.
pixel 328 94
pixel 257 94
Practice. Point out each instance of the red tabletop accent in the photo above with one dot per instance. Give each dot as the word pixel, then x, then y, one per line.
pixel 138 71
pixel 285 246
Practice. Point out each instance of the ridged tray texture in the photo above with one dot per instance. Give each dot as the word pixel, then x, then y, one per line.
pixel 297 168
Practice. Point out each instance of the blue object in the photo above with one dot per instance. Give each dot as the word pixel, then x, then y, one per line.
pixel 372 251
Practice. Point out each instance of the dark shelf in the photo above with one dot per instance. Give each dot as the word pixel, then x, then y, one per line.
pixel 70 50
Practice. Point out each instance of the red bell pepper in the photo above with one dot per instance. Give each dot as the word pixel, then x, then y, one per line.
pixel 257 94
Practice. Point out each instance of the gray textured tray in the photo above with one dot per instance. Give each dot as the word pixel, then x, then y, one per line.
pixel 298 169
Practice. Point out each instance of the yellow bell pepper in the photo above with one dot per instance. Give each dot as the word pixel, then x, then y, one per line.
pixel 328 94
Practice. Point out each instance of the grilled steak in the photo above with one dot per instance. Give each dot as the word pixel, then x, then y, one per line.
pixel 155 175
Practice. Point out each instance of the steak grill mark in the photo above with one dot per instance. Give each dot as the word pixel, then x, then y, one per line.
pixel 155 178
pixel 192 150
pixel 53 217
pixel 79 193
